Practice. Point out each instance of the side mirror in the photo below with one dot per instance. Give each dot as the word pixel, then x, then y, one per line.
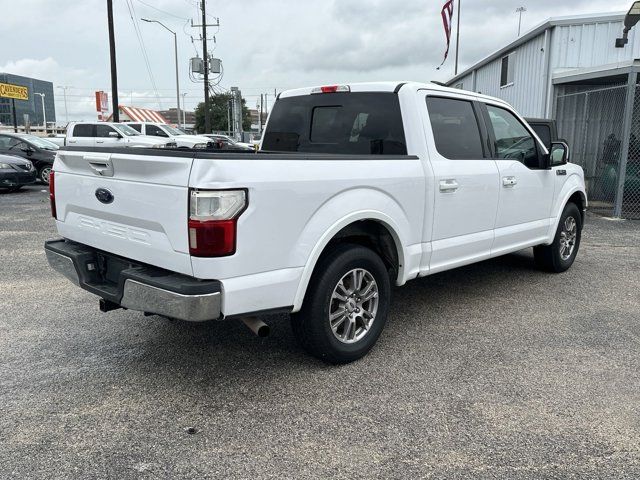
pixel 558 154
pixel 115 135
pixel 28 150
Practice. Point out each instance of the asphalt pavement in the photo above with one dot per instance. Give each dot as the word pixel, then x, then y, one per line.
pixel 494 370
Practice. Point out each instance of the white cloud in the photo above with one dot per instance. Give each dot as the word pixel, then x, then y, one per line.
pixel 264 44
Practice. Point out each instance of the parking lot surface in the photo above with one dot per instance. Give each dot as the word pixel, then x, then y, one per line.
pixel 495 370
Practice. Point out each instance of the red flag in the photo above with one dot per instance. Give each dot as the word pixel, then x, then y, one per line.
pixel 447 19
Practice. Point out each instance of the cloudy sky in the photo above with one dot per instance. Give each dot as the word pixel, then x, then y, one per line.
pixel 264 44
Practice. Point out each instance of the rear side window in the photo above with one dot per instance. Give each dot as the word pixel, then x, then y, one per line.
pixel 136 126
pixel 8 142
pixel 347 123
pixel 83 130
pixel 455 128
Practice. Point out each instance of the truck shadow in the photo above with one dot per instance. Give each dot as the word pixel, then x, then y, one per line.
pixel 230 346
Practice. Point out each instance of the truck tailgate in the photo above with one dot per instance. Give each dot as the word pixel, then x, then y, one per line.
pixel 143 216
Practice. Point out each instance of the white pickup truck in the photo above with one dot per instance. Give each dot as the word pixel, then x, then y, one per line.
pixel 107 134
pixel 181 139
pixel 357 188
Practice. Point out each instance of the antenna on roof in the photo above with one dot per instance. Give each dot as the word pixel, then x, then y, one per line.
pixel 438 83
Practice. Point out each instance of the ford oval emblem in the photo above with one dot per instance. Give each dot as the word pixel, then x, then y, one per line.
pixel 104 196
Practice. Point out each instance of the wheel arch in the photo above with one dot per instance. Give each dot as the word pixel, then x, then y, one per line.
pixel 372 229
pixel 574 192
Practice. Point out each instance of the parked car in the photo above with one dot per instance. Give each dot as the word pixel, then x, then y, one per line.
pixel 108 134
pixel 16 172
pixel 176 135
pixel 359 187
pixel 223 142
pixel 546 130
pixel 39 151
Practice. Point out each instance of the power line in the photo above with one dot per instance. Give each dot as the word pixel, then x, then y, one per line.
pixel 143 49
pixel 163 11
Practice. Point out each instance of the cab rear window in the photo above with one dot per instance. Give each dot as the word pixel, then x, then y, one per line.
pixel 364 123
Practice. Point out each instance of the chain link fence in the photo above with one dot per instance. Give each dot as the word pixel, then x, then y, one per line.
pixel 592 120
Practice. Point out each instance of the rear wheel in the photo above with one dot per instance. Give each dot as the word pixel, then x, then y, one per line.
pixel 346 305
pixel 44 173
pixel 561 254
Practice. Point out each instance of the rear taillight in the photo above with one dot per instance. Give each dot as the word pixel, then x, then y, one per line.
pixel 213 216
pixel 52 194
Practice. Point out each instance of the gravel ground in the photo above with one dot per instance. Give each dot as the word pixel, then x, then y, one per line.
pixel 494 370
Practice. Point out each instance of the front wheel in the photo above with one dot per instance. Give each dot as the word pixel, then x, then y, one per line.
pixel 346 305
pixel 561 254
pixel 44 173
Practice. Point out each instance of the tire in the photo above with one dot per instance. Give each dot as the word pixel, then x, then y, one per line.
pixel 334 277
pixel 560 255
pixel 43 174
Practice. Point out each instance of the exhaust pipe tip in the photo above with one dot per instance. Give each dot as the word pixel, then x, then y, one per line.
pixel 257 326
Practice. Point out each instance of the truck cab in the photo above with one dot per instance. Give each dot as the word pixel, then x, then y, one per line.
pixel 356 188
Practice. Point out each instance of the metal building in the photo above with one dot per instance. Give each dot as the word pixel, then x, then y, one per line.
pixel 31 107
pixel 569 69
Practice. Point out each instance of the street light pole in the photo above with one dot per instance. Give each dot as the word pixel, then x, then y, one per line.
pixel 520 11
pixel 175 47
pixel 44 112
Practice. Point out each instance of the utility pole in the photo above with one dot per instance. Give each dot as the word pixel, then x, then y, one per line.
pixel 205 65
pixel 260 114
pixel 184 112
pixel 64 93
pixel 205 54
pixel 112 55
pixel 457 38
pixel 520 11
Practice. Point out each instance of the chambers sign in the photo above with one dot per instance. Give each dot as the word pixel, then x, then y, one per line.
pixel 9 90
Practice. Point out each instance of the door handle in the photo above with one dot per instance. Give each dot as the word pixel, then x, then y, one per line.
pixel 72 141
pixel 509 181
pixel 99 141
pixel 449 185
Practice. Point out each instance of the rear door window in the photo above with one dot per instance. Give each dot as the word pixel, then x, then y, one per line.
pixel 455 128
pixel 83 130
pixel 7 143
pixel 348 123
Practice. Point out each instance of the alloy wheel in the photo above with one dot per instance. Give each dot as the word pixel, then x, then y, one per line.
pixel 568 237
pixel 354 304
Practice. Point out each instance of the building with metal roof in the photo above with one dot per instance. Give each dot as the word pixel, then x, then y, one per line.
pixel 569 69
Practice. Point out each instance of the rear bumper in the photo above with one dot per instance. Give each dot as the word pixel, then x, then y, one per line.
pixel 136 286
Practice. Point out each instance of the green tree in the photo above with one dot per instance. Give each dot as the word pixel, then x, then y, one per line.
pixel 218 108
